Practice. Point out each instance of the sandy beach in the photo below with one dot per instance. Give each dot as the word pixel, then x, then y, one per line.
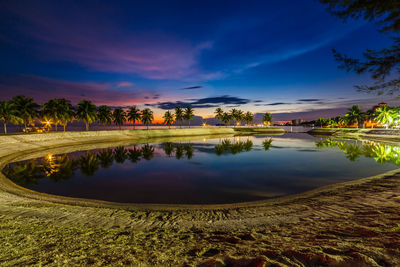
pixel 350 224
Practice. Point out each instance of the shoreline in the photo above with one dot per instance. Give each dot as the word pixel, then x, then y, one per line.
pixel 362 211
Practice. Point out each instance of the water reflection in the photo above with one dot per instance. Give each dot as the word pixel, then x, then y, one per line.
pixel 63 167
pixel 227 146
pixel 382 153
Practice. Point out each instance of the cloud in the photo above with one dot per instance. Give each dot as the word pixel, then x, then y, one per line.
pixel 124 84
pixel 43 88
pixel 103 45
pixel 277 104
pixel 309 100
pixel 192 87
pixel 208 102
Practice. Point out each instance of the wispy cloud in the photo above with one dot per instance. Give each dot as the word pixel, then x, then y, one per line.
pixel 207 102
pixel 192 87
pixel 43 88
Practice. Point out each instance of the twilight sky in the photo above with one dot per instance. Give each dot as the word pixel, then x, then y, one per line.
pixel 270 56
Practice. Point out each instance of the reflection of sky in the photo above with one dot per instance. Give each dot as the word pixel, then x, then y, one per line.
pixel 291 165
pixel 261 56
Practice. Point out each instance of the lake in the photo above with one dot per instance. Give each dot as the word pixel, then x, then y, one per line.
pixel 205 171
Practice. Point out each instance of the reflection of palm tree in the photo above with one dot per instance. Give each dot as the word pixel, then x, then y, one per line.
pixel 353 152
pixel 383 153
pixel 148 152
pixel 24 173
pixel 267 143
pixel 188 151
pixel 62 168
pixel 120 154
pixel 89 163
pixel 134 154
pixel 106 158
pixel 248 145
pixel 168 149
pixel 219 149
pixel 179 151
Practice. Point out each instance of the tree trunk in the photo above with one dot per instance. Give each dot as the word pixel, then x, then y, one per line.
pixel 55 126
pixel 87 126
pixel 147 126
pixel 189 124
pixel 64 127
pixel 5 127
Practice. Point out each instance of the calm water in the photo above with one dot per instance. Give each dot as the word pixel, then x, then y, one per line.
pixel 219 170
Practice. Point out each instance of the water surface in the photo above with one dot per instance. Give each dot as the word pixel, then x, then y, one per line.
pixel 205 171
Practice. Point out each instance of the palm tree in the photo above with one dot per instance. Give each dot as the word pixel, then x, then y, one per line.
pixel 66 112
pixel 179 114
pixel 8 113
pixel 267 118
pixel 133 115
pixel 384 115
pixel 355 115
pixel 343 121
pixel 104 115
pixel 147 117
pixel 189 114
pixel 50 111
pixel 219 113
pixel 321 122
pixel 235 115
pixel 226 118
pixel 168 118
pixel 86 112
pixel 119 117
pixel 248 117
pixel 27 109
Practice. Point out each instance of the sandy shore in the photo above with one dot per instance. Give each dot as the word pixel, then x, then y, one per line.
pixel 351 223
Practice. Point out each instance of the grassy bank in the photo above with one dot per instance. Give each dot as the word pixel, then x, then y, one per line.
pixel 353 223
pixel 386 135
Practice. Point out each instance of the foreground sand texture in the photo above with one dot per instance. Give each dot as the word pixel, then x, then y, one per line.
pixel 351 224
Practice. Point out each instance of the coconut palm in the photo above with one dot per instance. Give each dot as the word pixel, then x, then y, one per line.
pixel 147 117
pixel 267 118
pixel 248 117
pixel 226 118
pixel 168 118
pixel 321 122
pixel 66 112
pixel 384 115
pixel 188 114
pixel 104 115
pixel 27 109
pixel 86 112
pixel 179 115
pixel 50 112
pixel 343 121
pixel 355 115
pixel 9 113
pixel 235 115
pixel 133 115
pixel 119 117
pixel 219 113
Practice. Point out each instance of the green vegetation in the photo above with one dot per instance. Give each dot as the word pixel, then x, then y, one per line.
pixel 236 115
pixel 9 113
pixel 168 118
pixel 87 112
pixel 119 117
pixel 383 64
pixel 267 119
pixel 104 115
pixel 147 117
pixel 134 115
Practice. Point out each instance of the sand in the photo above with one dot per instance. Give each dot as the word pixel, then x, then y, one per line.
pixel 350 223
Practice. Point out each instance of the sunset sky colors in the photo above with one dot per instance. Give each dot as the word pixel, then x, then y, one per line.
pixel 270 56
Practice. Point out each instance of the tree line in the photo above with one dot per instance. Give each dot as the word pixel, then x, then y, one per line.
pixel 238 116
pixel 384 115
pixel 59 112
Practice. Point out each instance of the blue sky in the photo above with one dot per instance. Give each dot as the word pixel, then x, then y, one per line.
pixel 257 56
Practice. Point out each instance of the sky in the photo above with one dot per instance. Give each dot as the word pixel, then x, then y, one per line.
pixel 258 56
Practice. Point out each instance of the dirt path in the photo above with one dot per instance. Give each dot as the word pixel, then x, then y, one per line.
pixel 355 223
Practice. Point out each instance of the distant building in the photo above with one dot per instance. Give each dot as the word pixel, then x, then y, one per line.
pixel 297 122
pixel 283 122
pixel 383 104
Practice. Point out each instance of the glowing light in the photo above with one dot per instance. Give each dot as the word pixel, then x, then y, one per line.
pixel 50 157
